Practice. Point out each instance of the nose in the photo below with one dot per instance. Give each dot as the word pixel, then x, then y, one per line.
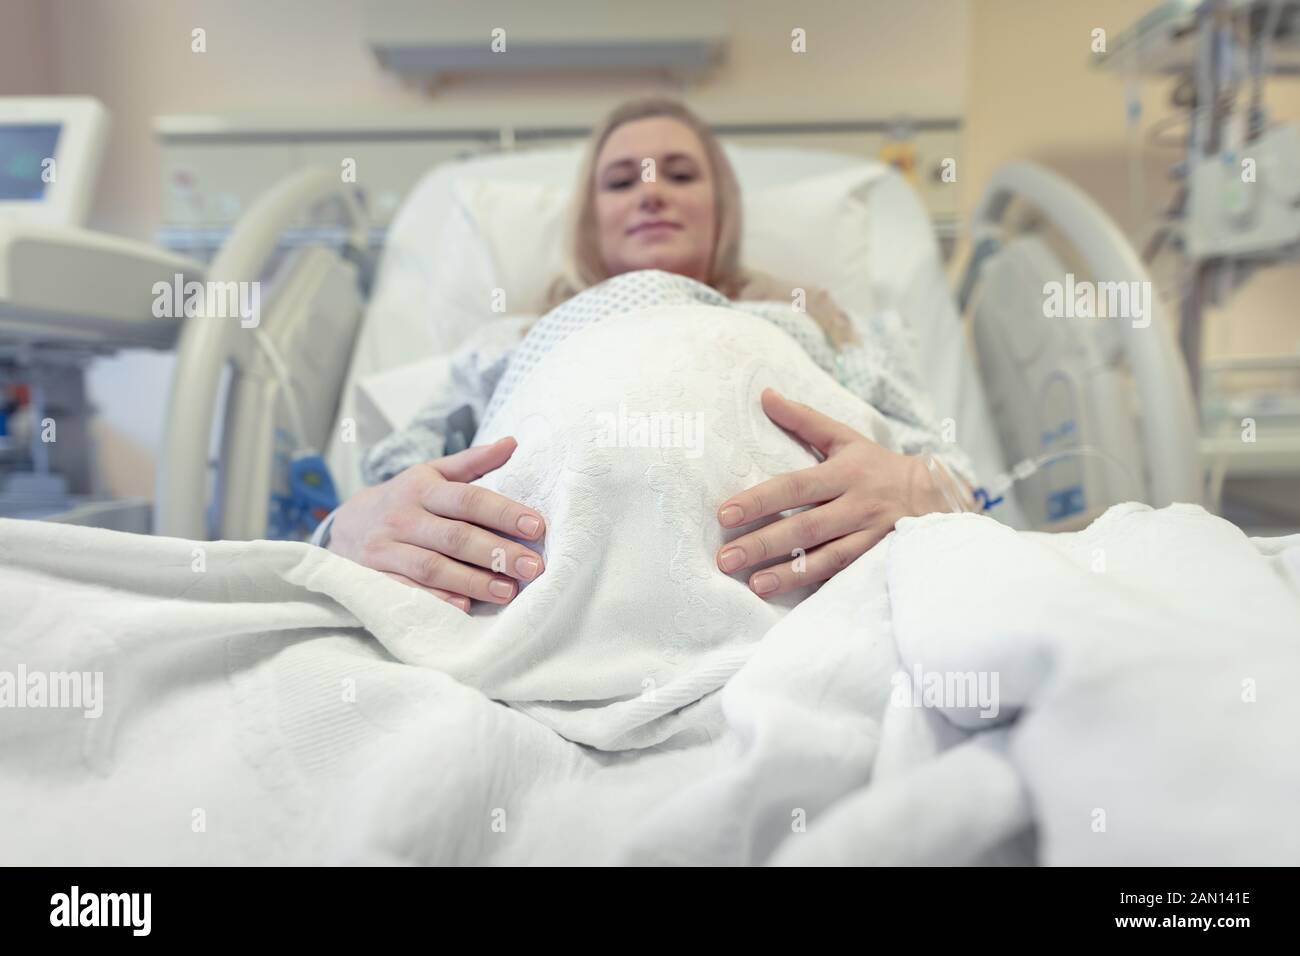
pixel 651 199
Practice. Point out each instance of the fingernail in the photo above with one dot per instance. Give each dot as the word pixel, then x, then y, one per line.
pixel 763 583
pixel 500 589
pixel 731 515
pixel 732 558
pixel 528 567
pixel 528 525
pixel 462 603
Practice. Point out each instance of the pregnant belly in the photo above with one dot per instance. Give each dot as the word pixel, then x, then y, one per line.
pixel 631 434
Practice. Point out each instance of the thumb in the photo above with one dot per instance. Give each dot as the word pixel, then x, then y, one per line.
pixel 472 463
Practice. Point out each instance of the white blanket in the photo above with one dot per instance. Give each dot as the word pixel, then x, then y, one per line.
pixel 1146 712
pixel 259 704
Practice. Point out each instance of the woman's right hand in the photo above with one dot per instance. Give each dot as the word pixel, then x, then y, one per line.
pixel 429 528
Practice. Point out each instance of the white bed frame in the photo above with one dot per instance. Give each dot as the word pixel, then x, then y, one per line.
pixel 1128 388
pixel 313 300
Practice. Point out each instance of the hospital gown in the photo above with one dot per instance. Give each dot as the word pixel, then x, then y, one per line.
pixel 880 368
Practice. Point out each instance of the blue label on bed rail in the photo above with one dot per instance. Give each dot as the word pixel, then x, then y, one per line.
pixel 1066 502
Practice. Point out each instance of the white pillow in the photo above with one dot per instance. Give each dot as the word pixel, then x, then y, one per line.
pixel 811 232
pixel 520 227
pixel 816 232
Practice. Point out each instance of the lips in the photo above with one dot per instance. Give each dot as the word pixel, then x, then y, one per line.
pixel 653 225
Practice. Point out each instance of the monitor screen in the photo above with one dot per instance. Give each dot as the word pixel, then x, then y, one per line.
pixel 23 152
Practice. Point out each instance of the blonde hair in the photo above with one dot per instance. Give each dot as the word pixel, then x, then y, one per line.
pixel 585 266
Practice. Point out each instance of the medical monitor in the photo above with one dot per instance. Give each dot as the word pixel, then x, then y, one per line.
pixel 50 152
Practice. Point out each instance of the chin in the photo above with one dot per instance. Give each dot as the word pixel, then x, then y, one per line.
pixel 666 263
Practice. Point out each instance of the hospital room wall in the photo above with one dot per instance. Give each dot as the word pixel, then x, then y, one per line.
pixel 26 42
pixel 312 55
pixel 135 55
pixel 1033 95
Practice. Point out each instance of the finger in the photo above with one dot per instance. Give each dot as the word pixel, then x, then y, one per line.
pixel 472 545
pixel 474 463
pixel 819 565
pixel 436 570
pixel 487 509
pixel 780 539
pixel 458 601
pixel 808 486
pixel 818 430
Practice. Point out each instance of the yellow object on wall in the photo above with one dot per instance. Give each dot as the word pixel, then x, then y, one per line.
pixel 902 156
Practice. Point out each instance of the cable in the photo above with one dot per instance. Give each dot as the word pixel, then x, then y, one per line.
pixel 989 495
pixel 286 387
pixel 1271 25
pixel 310 494
pixel 1133 136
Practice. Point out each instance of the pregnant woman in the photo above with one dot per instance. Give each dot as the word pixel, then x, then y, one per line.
pixel 656 221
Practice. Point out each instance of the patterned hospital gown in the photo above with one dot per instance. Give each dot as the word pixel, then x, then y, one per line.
pixel 881 368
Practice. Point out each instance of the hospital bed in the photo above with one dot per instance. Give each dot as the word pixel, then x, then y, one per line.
pixel 1099 408
pixel 298 707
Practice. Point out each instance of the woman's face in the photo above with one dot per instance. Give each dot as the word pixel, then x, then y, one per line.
pixel 658 216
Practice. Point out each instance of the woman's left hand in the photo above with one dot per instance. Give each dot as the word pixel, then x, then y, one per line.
pixel 859 493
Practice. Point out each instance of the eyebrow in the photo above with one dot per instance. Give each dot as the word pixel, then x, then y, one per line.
pixel 629 161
